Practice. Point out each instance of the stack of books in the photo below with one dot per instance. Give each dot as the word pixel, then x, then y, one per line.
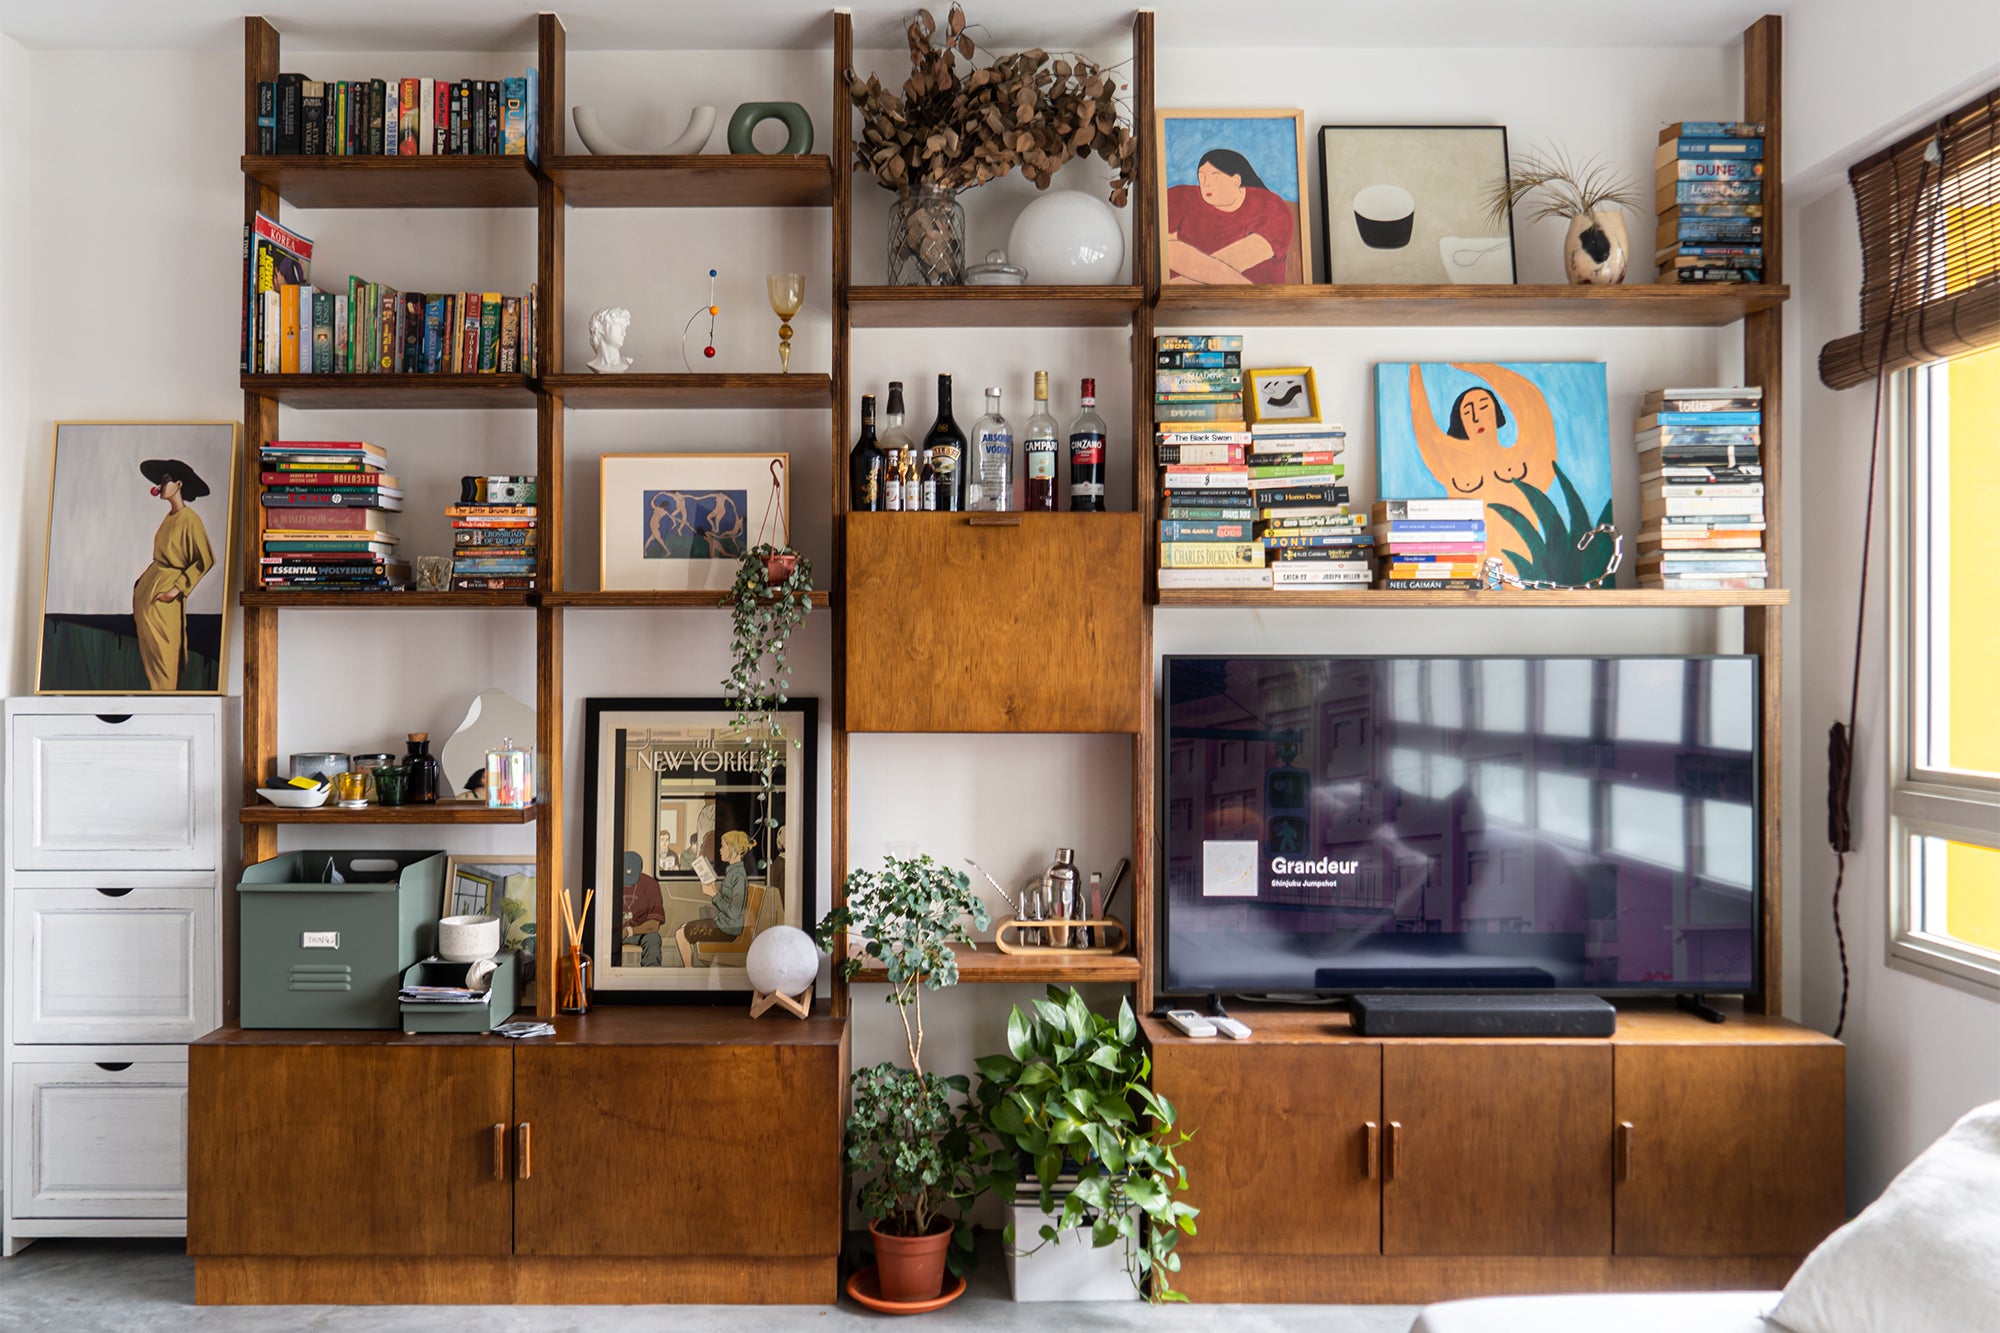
pixel 1298 483
pixel 1198 380
pixel 398 117
pixel 322 506
pixel 1701 488
pixel 1711 202
pixel 1208 533
pixel 493 545
pixel 1428 544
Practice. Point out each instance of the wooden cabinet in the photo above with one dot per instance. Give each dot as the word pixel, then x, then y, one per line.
pixel 996 622
pixel 1496 1147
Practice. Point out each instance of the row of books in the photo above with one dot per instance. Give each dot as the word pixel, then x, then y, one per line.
pixel 493 542
pixel 419 117
pixel 292 327
pixel 322 503
pixel 1709 175
pixel 1701 488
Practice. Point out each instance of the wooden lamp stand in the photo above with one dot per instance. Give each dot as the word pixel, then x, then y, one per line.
pixel 798 1006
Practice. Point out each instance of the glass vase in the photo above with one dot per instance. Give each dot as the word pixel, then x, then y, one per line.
pixel 926 239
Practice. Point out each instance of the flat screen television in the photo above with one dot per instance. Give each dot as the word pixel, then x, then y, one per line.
pixel 1342 824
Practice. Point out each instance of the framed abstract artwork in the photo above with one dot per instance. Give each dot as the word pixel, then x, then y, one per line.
pixel 679 522
pixel 135 591
pixel 687 861
pixel 1290 394
pixel 1412 203
pixel 1232 197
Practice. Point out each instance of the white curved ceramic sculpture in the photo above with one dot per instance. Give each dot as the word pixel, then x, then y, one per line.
pixel 701 125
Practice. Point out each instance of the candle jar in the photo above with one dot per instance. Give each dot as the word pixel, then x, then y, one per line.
pixel 350 789
pixel 510 776
pixel 366 764
pixel 391 781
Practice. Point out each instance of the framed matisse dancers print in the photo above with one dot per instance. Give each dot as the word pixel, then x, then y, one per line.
pixel 681 522
pixel 1232 197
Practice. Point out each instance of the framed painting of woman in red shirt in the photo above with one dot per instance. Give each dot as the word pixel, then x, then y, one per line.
pixel 1231 190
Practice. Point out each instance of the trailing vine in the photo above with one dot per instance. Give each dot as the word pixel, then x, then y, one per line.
pixel 764 615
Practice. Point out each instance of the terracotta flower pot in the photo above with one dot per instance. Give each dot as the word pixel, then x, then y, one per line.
pixel 778 568
pixel 912 1267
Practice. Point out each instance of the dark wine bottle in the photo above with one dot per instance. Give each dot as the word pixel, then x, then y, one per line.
pixel 867 492
pixel 944 452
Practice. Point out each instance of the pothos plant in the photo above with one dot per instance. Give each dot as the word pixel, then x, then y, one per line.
pixel 770 599
pixel 910 1139
pixel 1071 1098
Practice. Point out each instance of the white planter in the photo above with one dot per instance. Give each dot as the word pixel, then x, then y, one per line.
pixel 1068 1270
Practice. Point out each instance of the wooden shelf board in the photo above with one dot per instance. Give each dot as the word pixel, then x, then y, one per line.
pixel 300 600
pixel 711 600
pixel 692 391
pixel 1421 304
pixel 394 391
pixel 1499 601
pixel 441 812
pixel 991 307
pixel 712 180
pixel 397 182
pixel 988 965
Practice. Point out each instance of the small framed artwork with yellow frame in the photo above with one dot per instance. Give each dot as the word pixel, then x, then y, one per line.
pixel 1283 396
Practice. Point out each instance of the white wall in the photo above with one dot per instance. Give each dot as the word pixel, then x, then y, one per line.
pixel 24 474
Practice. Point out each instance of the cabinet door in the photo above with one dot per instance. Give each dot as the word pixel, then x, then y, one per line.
pixel 349 1149
pixel 679 1150
pixel 119 791
pixel 1497 1148
pixel 1732 1149
pixel 995 622
pixel 113 965
pixel 99 1140
pixel 1280 1161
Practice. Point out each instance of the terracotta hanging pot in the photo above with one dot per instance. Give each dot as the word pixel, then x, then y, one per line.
pixel 912 1267
pixel 779 567
pixel 1596 251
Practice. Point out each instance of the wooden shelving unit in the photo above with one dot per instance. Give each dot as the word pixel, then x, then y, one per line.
pixel 279 599
pixel 584 599
pixel 1594 598
pixel 986 965
pixel 460 393
pixel 395 182
pixel 992 307
pixel 441 812
pixel 692 392
pixel 710 180
pixel 1422 305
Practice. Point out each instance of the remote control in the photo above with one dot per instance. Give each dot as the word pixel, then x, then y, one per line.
pixel 1190 1022
pixel 1232 1028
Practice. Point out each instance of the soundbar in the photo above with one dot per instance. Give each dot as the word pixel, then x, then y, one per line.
pixel 1505 1015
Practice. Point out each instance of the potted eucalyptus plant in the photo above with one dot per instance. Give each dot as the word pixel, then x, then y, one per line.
pixel 910 1140
pixel 769 600
pixel 1084 1147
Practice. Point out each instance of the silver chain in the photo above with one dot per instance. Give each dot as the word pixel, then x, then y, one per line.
pixel 1497 576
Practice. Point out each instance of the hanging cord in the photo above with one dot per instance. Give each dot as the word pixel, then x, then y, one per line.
pixel 1840 736
pixel 771 518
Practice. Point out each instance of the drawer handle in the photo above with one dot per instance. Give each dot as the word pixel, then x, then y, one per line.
pixel 1624 1150
pixel 114 1066
pixel 500 1152
pixel 114 719
pixel 993 520
pixel 115 893
pixel 524 1163
pixel 1395 1163
pixel 1372 1152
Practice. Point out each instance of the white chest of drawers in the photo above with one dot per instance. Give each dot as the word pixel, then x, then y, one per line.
pixel 116 875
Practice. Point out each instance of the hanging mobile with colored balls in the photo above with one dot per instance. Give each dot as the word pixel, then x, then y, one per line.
pixel 712 309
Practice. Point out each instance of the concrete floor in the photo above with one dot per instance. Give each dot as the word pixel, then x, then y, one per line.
pixel 142 1286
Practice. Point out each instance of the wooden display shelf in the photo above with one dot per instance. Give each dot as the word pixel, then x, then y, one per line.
pixel 297 600
pixel 691 392
pixel 991 307
pixel 986 964
pixel 468 392
pixel 439 812
pixel 397 182
pixel 1425 304
pixel 703 599
pixel 712 180
pixel 1498 601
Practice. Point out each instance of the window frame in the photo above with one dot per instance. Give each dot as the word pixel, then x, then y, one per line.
pixel 1922 802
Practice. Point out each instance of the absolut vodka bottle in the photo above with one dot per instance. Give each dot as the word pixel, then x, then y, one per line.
pixel 992 460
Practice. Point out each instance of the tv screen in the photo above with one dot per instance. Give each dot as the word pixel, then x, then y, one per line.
pixel 1340 824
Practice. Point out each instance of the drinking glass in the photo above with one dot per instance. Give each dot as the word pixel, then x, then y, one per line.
pixel 788 293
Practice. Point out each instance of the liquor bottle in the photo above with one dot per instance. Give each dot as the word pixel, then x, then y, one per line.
pixel 944 453
pixel 425 776
pixel 867 491
pixel 992 469
pixel 927 483
pixel 900 453
pixel 1039 448
pixel 1086 455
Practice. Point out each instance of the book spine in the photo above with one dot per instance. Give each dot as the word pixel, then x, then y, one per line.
pixel 1173 530
pixel 1714 129
pixel 312 118
pixel 533 104
pixel 1166 360
pixel 1198 342
pixel 267 117
pixel 455 121
pixel 326 480
pixel 1718 192
pixel 440 117
pixel 289 91
pixel 356 343
pixel 322 333
pixel 407 91
pixel 288 353
pixel 489 332
pixel 271 322
pixel 494 89
pixel 468 342
pixel 1428 585
pixel 1219 382
pixel 340 363
pixel 385 336
pixel 510 335
pixel 1172 455
pixel 433 334
pixel 380 131
pixel 247 354
pixel 514 122
pixel 475 127
pixel 1744 149
pixel 1210 513
pixel 1428 510
pixel 491 584
pixel 410 333
pixel 1209 555
pixel 1713 273
pixel 1231 411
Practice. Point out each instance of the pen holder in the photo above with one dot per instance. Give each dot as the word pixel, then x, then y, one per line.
pixel 1098 925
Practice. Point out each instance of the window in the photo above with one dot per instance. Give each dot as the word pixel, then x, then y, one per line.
pixel 1945 679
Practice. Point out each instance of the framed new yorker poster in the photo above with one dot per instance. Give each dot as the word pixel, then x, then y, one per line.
pixel 135 593
pixel 687 861
pixel 679 522
pixel 1232 197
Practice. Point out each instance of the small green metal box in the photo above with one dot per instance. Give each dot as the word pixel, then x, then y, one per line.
pixel 317 954
pixel 497 1008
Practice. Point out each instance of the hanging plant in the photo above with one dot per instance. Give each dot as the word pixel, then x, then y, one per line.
pixel 770 599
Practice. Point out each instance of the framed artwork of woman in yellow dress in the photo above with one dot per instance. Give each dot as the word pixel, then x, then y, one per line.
pixel 135 594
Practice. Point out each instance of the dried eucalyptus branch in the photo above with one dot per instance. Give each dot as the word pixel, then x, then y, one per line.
pixel 1570 188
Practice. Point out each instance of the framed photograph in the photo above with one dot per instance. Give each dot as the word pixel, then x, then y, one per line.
pixel 1413 203
pixel 679 846
pixel 679 522
pixel 1232 197
pixel 135 593
pixel 502 886
pixel 1291 394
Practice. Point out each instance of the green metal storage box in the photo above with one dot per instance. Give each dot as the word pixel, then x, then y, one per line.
pixel 497 1008
pixel 320 955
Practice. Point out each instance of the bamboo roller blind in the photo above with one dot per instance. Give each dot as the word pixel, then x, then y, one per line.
pixel 1929 209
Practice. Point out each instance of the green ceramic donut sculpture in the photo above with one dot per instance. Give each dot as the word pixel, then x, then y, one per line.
pixel 752 114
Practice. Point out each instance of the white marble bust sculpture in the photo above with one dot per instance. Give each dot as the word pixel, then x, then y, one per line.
pixel 607 340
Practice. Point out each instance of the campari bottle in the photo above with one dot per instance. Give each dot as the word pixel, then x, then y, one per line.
pixel 1039 447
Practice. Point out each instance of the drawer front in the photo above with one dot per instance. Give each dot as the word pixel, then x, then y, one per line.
pixel 996 622
pixel 92 1141
pixel 139 966
pixel 92 794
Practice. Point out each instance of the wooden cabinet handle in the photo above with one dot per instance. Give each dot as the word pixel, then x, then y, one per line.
pixel 1372 1154
pixel 993 520
pixel 524 1162
pixel 500 1152
pixel 1395 1155
pixel 1624 1151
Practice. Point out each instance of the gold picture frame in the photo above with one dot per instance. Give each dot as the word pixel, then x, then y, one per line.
pixel 107 557
pixel 1271 396
pixel 1254 190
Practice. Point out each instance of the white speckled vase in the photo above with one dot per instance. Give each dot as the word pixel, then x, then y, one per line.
pixel 1596 251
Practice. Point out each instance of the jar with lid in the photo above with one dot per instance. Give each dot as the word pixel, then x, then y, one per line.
pixel 420 787
pixel 510 776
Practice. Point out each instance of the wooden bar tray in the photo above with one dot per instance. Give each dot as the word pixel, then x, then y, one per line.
pixel 1001 943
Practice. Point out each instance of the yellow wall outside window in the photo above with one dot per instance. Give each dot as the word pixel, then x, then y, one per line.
pixel 1972 874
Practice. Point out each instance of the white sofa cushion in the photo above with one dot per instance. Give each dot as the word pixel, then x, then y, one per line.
pixel 1923 1258
pixel 1625 1312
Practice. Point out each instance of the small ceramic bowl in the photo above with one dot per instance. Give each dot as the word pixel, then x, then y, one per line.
pixel 296 798
pixel 467 939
